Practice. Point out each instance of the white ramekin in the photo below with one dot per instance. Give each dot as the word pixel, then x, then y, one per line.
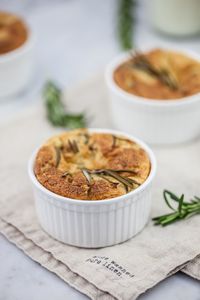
pixel 93 224
pixel 16 67
pixel 175 17
pixel 154 121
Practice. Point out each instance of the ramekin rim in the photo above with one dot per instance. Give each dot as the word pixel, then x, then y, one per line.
pixel 103 201
pixel 29 42
pixel 120 58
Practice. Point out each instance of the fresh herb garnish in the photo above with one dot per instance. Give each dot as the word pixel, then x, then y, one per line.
pixel 108 180
pixel 58 156
pixel 184 209
pixel 140 62
pixel 133 181
pixel 127 182
pixel 127 171
pixel 126 23
pixel 87 175
pixel 119 178
pixel 72 146
pixel 56 113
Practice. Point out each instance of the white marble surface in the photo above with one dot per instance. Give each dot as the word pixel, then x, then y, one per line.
pixel 76 39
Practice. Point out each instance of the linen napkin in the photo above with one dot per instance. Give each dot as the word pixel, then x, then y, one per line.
pixel 120 272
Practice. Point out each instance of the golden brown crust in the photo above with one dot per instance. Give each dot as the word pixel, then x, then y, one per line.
pixel 183 69
pixel 13 32
pixel 91 166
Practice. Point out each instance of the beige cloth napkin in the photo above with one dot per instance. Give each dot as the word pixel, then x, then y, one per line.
pixel 120 272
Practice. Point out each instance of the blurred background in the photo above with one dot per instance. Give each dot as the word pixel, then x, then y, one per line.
pixel 75 39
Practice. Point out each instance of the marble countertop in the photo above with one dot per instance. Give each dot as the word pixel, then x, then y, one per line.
pixel 75 39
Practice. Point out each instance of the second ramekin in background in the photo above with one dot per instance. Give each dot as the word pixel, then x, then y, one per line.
pixel 94 223
pixel 175 17
pixel 17 67
pixel 154 121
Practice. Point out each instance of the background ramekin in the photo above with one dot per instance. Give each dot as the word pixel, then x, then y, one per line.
pixel 154 121
pixel 175 17
pixel 93 224
pixel 16 67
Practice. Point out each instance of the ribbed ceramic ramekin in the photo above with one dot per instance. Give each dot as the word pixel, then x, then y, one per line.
pixel 93 224
pixel 154 121
pixel 17 67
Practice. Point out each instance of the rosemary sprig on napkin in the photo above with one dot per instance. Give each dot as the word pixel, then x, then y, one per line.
pixel 56 113
pixel 184 209
pixel 126 23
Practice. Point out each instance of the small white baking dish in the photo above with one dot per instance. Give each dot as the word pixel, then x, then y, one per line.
pixel 154 121
pixel 175 17
pixel 93 224
pixel 16 67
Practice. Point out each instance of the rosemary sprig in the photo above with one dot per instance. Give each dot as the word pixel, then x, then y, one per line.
pixel 127 182
pixel 108 180
pixel 184 209
pixel 119 178
pixel 56 113
pixel 126 23
pixel 139 61
pixel 133 181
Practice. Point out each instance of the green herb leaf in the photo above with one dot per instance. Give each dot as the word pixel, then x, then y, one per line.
pixel 126 23
pixel 183 211
pixel 165 193
pixel 56 113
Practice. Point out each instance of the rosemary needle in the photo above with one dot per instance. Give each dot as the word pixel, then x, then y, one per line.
pixel 87 175
pixel 58 156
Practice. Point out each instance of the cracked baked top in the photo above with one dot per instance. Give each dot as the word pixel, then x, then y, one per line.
pixel 159 74
pixel 13 32
pixel 83 165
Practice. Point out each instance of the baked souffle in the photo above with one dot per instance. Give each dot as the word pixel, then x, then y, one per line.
pixel 86 165
pixel 13 32
pixel 159 74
